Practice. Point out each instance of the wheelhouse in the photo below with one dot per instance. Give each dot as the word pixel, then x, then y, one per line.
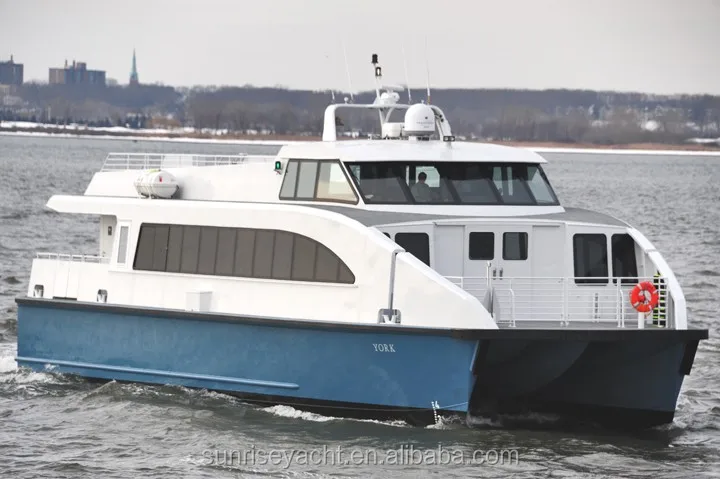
pixel 452 183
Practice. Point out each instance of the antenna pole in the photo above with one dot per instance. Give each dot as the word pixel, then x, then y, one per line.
pixel 347 70
pixel 427 70
pixel 378 74
pixel 332 90
pixel 378 83
pixel 407 77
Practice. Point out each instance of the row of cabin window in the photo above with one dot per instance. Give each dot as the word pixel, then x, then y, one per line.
pixel 482 245
pixel 242 252
pixel 589 252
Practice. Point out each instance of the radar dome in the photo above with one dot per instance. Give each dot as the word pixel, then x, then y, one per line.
pixel 419 120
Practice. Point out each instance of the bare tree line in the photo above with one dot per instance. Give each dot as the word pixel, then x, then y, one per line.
pixel 567 116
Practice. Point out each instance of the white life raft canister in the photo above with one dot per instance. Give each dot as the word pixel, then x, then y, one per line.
pixel 156 184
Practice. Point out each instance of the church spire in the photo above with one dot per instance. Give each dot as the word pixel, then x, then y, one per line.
pixel 134 74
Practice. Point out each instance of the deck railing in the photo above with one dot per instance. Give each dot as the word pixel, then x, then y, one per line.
pixel 564 301
pixel 537 301
pixel 151 161
pixel 78 258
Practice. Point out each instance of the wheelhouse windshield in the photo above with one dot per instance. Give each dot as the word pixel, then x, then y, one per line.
pixel 466 183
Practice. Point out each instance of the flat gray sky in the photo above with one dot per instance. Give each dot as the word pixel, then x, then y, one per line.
pixel 656 46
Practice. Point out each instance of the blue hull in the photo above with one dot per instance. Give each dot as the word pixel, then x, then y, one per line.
pixel 631 378
pixel 377 366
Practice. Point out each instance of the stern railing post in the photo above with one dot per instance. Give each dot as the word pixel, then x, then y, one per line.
pixel 566 301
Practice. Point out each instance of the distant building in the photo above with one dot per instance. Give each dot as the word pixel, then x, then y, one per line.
pixel 11 73
pixel 76 74
pixel 134 74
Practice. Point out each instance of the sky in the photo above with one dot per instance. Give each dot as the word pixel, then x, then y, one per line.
pixel 653 46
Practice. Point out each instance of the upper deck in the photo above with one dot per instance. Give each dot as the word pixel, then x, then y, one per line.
pixel 348 150
pixel 465 179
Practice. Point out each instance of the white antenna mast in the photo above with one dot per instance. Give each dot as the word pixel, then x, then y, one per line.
pixel 427 69
pixel 378 74
pixel 347 69
pixel 332 90
pixel 407 77
pixel 378 82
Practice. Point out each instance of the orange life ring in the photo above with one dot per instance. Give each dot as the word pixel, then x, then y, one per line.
pixel 642 302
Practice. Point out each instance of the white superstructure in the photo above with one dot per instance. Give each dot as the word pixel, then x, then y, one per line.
pixel 413 228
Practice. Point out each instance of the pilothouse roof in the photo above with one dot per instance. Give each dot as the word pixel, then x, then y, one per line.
pixel 406 150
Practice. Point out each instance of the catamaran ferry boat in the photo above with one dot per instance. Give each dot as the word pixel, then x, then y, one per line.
pixel 406 276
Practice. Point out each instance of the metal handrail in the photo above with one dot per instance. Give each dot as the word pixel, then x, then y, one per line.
pixel 151 161
pixel 80 258
pixel 562 300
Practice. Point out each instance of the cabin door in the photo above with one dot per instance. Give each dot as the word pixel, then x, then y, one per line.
pixel 547 251
pixel 526 262
pixel 449 250
pixel 505 247
pixel 512 252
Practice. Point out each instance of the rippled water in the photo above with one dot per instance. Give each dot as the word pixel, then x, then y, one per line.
pixel 54 426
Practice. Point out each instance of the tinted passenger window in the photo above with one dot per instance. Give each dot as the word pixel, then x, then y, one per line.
pixel 159 261
pixel 623 256
pixel 174 249
pixel 144 254
pixel 262 262
pixel 481 246
pixel 590 258
pixel 344 274
pixel 282 255
pixel 225 258
pixel 208 250
pixel 244 252
pixel 304 252
pixel 515 246
pixel 326 265
pixel 190 248
pixel 417 244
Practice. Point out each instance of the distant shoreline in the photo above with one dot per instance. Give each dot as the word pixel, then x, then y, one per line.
pixel 278 140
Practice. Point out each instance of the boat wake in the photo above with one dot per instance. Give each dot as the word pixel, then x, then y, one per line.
pixel 14 378
pixel 7 363
pixel 292 413
pixel 26 382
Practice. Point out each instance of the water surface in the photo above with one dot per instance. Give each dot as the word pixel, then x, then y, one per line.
pixel 60 426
